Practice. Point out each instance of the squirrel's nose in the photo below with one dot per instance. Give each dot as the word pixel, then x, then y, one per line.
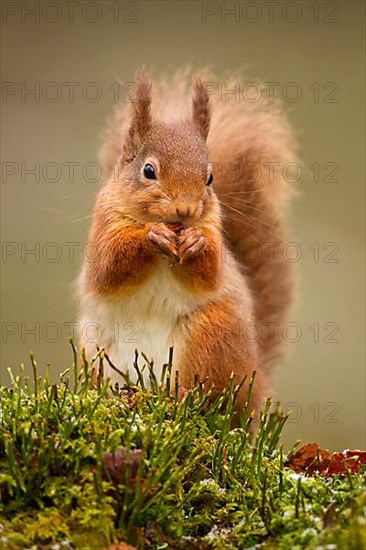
pixel 184 211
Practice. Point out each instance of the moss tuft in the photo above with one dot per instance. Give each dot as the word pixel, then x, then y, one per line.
pixel 82 468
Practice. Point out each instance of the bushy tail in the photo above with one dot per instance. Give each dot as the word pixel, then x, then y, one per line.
pixel 251 146
pixel 252 150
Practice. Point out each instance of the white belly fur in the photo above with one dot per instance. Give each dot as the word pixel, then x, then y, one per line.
pixel 146 320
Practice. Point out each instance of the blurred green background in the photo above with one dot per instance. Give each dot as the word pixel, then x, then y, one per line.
pixel 319 46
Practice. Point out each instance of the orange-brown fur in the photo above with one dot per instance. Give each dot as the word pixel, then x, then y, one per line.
pixel 202 235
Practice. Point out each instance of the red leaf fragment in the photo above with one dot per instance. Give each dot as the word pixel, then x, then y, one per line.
pixel 116 463
pixel 330 515
pixel 346 462
pixel 311 459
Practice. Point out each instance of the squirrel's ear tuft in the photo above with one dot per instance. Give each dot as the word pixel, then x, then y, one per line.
pixel 141 106
pixel 141 119
pixel 201 108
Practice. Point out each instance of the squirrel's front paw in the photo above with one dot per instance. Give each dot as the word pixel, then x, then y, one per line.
pixel 191 241
pixel 163 239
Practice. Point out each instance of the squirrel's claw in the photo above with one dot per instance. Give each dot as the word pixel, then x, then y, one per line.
pixel 163 239
pixel 190 243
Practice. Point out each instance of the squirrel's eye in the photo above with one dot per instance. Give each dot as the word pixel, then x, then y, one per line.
pixel 210 180
pixel 149 172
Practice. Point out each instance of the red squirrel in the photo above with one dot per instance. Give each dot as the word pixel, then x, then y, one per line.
pixel 187 236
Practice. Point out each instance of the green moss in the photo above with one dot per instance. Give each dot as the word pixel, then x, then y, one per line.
pixel 180 478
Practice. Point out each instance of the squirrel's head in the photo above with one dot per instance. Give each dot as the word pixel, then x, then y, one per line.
pixel 165 174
